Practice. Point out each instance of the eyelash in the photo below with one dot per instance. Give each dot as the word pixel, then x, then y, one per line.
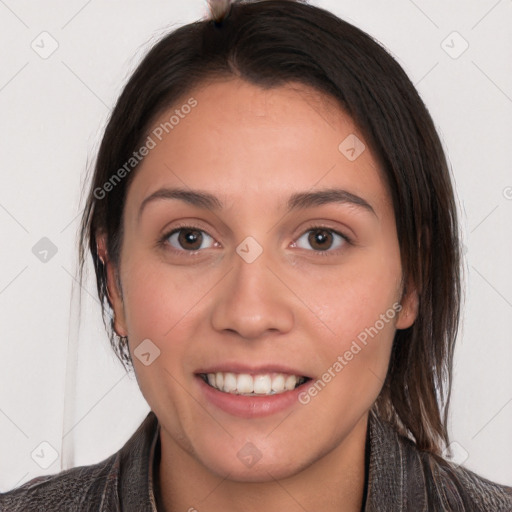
pixel 163 242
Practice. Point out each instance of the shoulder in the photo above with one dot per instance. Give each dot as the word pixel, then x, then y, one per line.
pixel 461 489
pixel 82 488
pixel 424 481
pixel 120 482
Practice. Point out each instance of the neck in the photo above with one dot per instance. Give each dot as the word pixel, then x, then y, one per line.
pixel 334 482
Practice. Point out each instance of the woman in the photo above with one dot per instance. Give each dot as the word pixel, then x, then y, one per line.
pixel 274 233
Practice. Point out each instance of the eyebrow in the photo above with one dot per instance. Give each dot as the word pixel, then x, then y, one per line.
pixel 297 201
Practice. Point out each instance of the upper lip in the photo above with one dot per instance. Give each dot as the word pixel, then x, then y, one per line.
pixel 251 369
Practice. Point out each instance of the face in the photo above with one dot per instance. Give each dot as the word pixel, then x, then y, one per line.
pixel 266 307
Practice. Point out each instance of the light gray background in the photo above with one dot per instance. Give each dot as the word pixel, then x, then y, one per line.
pixel 52 114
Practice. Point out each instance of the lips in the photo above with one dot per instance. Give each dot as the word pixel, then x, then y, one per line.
pixel 251 392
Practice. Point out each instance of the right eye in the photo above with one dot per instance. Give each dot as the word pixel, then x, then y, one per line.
pixel 189 239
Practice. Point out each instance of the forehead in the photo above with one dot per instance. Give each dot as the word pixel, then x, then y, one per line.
pixel 245 100
pixel 240 141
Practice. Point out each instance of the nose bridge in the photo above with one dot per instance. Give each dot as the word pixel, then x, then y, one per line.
pixel 254 301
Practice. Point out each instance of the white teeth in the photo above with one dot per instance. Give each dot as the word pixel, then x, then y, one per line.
pixel 290 382
pixel 262 384
pixel 245 384
pixel 278 383
pixel 229 382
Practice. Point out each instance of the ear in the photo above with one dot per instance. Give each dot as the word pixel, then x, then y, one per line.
pixel 114 291
pixel 410 305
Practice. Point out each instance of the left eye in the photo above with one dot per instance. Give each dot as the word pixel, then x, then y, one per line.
pixel 321 239
pixel 190 239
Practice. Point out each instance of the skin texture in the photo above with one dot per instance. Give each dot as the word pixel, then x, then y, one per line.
pixel 295 304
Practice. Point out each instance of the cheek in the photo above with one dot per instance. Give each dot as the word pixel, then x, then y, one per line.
pixel 359 302
pixel 159 306
pixel 158 301
pixel 356 298
pixel 356 360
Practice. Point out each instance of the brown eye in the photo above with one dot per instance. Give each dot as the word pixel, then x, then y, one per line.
pixel 189 239
pixel 321 239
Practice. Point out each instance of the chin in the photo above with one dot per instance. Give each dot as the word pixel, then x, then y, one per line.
pixel 250 465
pixel 260 473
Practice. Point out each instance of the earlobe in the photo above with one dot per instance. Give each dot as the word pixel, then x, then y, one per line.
pixel 410 306
pixel 112 286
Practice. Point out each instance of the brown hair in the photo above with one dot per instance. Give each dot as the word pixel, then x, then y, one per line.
pixel 270 43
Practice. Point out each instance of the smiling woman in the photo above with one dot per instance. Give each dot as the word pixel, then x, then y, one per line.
pixel 284 261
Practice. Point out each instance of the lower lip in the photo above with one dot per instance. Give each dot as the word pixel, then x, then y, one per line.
pixel 250 406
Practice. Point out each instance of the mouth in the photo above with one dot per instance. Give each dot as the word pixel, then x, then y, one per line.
pixel 245 384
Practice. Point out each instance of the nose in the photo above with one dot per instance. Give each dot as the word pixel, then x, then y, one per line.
pixel 253 302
